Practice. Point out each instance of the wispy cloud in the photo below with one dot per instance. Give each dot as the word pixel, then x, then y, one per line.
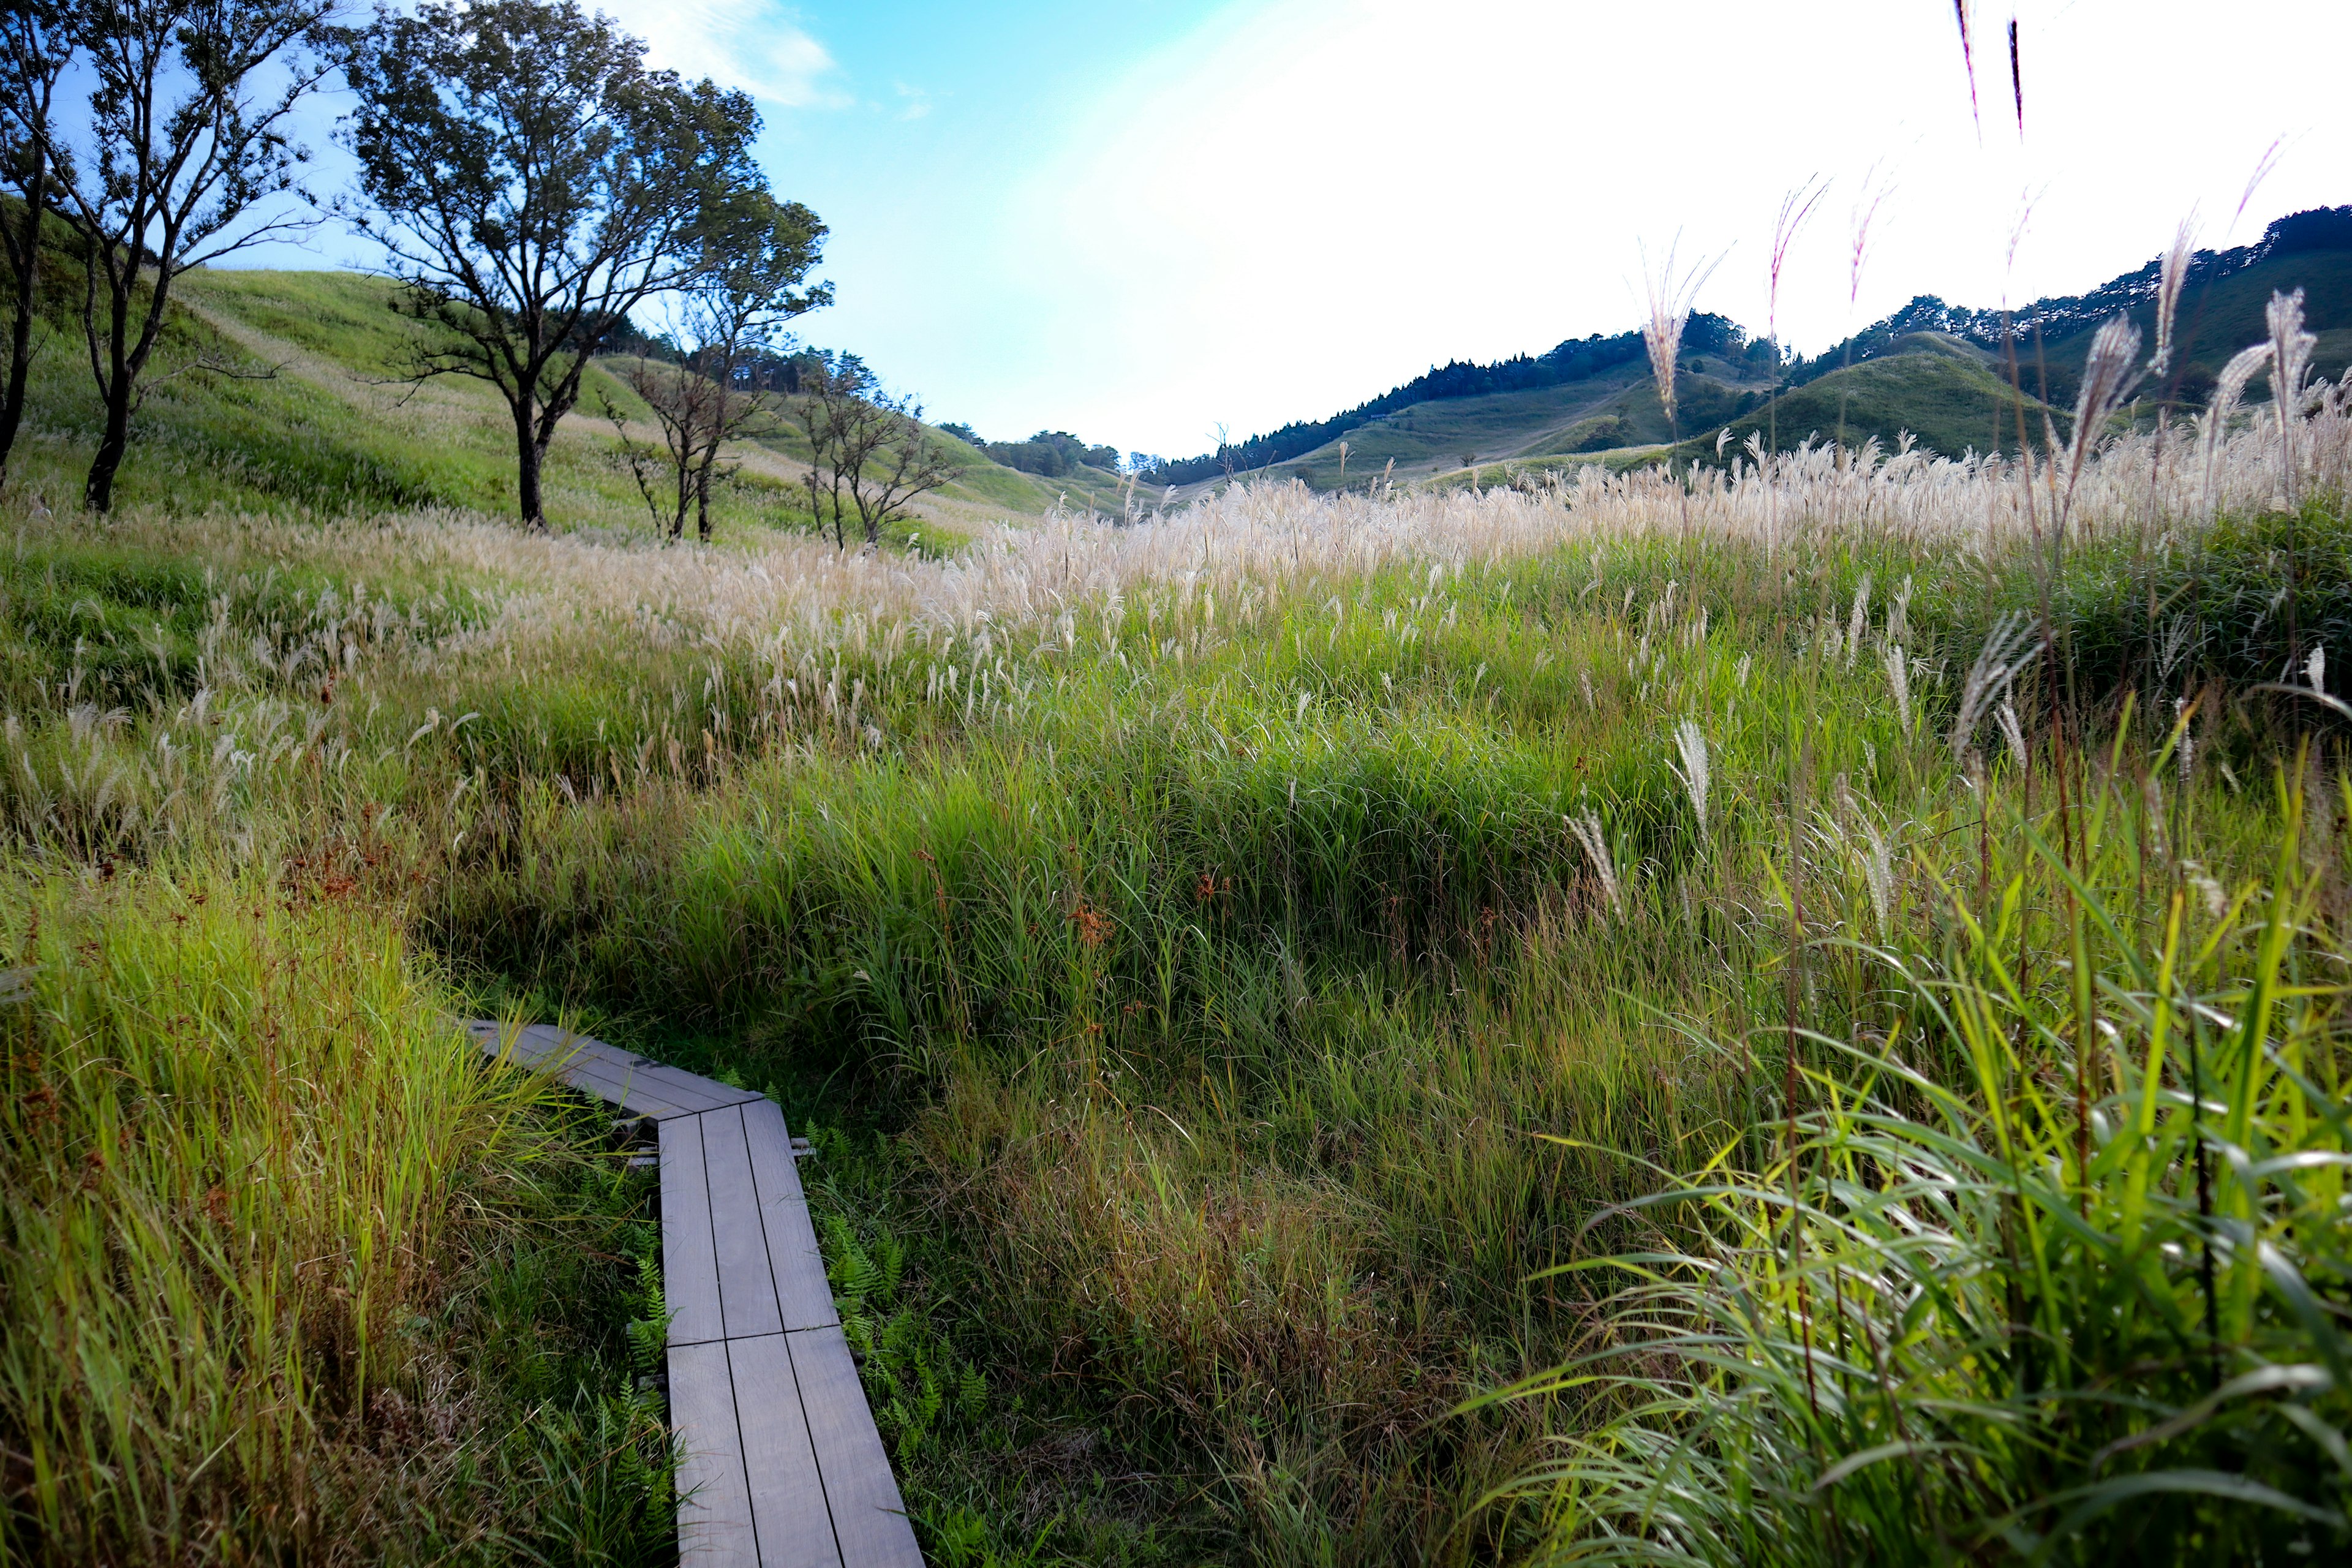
pixel 913 103
pixel 748 44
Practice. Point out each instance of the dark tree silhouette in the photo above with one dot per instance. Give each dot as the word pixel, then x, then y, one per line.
pixel 187 133
pixel 36 45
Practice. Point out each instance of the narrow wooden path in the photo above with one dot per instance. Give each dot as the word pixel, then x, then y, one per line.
pixel 781 1466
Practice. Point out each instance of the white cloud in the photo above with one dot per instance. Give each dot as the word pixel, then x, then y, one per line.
pixel 746 43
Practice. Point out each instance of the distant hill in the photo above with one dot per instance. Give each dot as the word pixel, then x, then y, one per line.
pixel 1585 394
pixel 1936 372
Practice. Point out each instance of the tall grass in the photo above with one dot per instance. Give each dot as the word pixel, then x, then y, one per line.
pixel 1180 935
pixel 245 1161
pixel 1953 1319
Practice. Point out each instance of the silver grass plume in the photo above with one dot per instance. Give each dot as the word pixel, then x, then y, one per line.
pixel 2008 649
pixel 2012 731
pixel 1670 310
pixel 1899 682
pixel 2170 279
pixel 2228 389
pixel 2291 349
pixel 1588 831
pixel 1691 741
pixel 2108 378
pixel 1878 874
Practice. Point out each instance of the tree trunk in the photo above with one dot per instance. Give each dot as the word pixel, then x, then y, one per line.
pixel 98 490
pixel 702 493
pixel 20 338
pixel 527 463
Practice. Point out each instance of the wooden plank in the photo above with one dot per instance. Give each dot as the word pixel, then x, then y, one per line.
pixel 647 1086
pixel 747 1284
pixel 788 1509
pixel 608 1074
pixel 689 1261
pixel 804 1296
pixel 772 1152
pixel 781 1462
pixel 641 1084
pixel 870 1519
pixel 714 1509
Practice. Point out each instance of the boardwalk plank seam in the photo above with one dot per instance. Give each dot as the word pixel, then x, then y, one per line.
pixel 769 1478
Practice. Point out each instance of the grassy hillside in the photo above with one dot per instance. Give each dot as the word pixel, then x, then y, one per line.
pixel 2218 320
pixel 286 389
pixel 1603 419
pixel 1947 401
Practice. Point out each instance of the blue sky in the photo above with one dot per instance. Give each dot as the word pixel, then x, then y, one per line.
pixel 1137 221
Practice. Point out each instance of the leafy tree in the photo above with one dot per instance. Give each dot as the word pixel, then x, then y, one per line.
pixel 873 457
pixel 1051 454
pixel 751 254
pixel 532 182
pixel 189 111
pixel 35 44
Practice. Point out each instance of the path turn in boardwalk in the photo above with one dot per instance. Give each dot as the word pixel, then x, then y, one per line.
pixel 781 1468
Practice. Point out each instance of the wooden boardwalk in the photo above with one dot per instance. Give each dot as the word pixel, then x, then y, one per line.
pixel 781 1465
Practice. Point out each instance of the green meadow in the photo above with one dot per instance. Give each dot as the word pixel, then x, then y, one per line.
pixel 1779 1016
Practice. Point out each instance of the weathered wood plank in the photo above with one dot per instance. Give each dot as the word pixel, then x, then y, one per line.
pixel 714 1512
pixel 802 1295
pixel 772 1152
pixel 870 1519
pixel 783 1463
pixel 689 1258
pixel 647 1085
pixel 643 1086
pixel 747 1282
pixel 788 1508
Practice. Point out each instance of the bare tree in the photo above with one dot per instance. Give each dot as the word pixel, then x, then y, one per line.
pixel 533 184
pixel 682 401
pixel 753 253
pixel 35 44
pixel 872 454
pixel 189 113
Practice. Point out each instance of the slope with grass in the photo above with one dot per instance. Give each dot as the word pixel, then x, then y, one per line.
pixel 1552 427
pixel 289 389
pixel 1930 390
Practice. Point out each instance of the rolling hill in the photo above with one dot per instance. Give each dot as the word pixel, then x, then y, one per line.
pixel 305 406
pixel 1935 372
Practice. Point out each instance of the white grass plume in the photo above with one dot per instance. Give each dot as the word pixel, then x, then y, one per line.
pixel 2011 732
pixel 1898 682
pixel 1588 834
pixel 1878 874
pixel 2108 377
pixel 2291 347
pixel 1691 741
pixel 1856 623
pixel 2171 277
pixel 2008 649
pixel 2228 389
pixel 1670 298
